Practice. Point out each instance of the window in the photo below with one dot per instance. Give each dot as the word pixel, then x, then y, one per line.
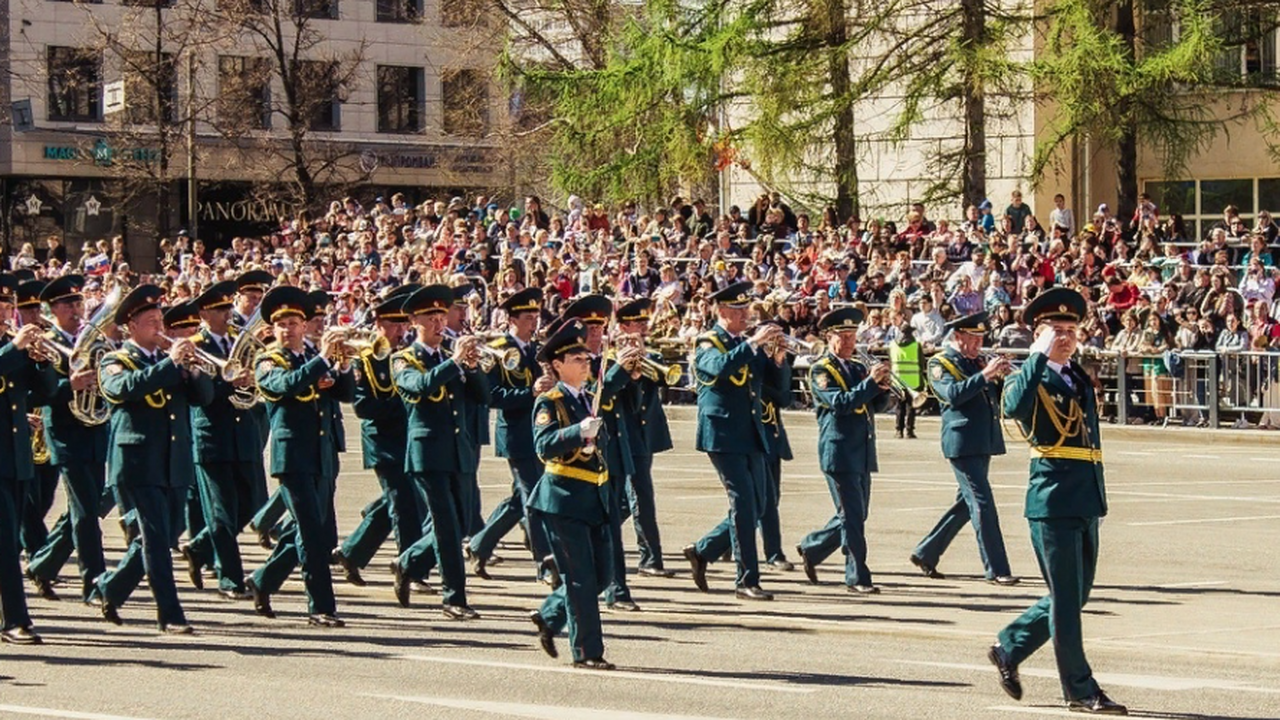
pixel 75 84
pixel 1200 202
pixel 244 94
pixel 466 103
pixel 400 99
pixel 148 3
pixel 319 93
pixel 1250 36
pixel 463 13
pixel 150 88
pixel 399 11
pixel 316 9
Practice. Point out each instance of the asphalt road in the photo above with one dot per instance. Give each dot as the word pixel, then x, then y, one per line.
pixel 1182 623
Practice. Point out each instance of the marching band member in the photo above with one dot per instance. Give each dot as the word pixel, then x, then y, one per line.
pixel 78 450
pixel 41 490
pixel 649 434
pixel 1053 401
pixel 730 373
pixel 573 499
pixel 970 397
pixel 228 454
pixel 776 395
pixel 151 465
pixel 512 393
pixel 20 374
pixel 845 396
pixel 478 421
pixel 441 447
pixel 182 320
pixel 302 453
pixel 250 287
pixel 383 440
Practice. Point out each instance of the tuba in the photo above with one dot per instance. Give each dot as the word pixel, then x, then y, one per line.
pixel 88 405
pixel 243 351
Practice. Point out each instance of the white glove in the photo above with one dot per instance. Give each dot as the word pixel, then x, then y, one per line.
pixel 1043 343
pixel 590 427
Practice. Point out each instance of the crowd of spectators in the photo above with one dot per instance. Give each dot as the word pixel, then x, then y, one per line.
pixel 1154 289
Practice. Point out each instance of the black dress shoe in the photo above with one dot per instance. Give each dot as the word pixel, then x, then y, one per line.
pixel 699 567
pixel 21 636
pixel 110 613
pixel 478 561
pixel 495 560
pixel 752 593
pixel 44 588
pixel 546 638
pixel 325 620
pixel 810 570
pixel 929 570
pixel 176 629
pixel 782 564
pixel 349 569
pixel 193 567
pixel 1098 704
pixel 261 600
pixel 460 612
pixel 264 537
pixel 1009 681
pixel 549 572
pixel 863 589
pixel 1005 580
pixel 911 434
pixel 236 595
pixel 422 588
pixel 623 606
pixel 400 584
pixel 594 664
pixel 656 572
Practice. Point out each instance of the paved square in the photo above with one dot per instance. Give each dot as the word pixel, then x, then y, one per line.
pixel 1183 622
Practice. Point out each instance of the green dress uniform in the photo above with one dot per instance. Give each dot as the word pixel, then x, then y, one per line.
pixel 1066 496
pixel 730 375
pixel 229 469
pixel 511 394
pixel 40 492
pixel 19 374
pixel 971 434
pixel 79 452
pixel 649 434
pixel 846 399
pixel 441 452
pixel 574 500
pixel 777 395
pixel 303 459
pixel 151 459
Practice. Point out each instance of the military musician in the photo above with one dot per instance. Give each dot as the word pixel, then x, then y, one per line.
pixel 969 393
pixel 573 499
pixel 441 446
pixel 730 373
pixel 23 370
pixel 42 488
pixel 1054 404
pixel 151 391
pixel 846 396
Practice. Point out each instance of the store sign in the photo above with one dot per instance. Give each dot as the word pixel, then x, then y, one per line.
pixel 102 153
pixel 241 211
pixel 454 159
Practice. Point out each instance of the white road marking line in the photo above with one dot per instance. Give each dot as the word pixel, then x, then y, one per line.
pixel 1145 682
pixel 619 674
pixel 1252 630
pixel 541 712
pixel 52 712
pixel 1204 457
pixel 1198 521
pixel 1214 498
pixel 1033 710
pixel 1140 453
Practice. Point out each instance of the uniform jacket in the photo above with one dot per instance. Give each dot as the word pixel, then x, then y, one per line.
pixel 70 441
pixel 478 420
pixel 970 406
pixel 223 433
pixel 384 433
pixel 575 483
pixel 1038 398
pixel 777 395
pixel 19 377
pixel 730 376
pixel 436 390
pixel 846 401
pixel 302 439
pixel 511 394
pixel 617 381
pixel 648 432
pixel 150 417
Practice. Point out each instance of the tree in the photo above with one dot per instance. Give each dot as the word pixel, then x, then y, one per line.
pixel 1124 76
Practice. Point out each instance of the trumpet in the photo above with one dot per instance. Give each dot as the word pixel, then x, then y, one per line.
pixel 200 360
pixel 795 346
pixel 490 356
pixel 667 374
pixel 896 385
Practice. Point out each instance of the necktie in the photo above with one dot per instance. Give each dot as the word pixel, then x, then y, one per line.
pixel 1068 377
pixel 226 347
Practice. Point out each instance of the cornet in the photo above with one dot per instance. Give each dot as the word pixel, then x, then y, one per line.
pixel 896 386
pixel 199 359
pixel 795 346
pixel 489 356
pixel 356 341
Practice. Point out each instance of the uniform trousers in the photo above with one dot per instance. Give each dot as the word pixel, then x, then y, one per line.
pixel 974 504
pixel 526 472
pixel 851 493
pixel 84 484
pixel 441 494
pixel 743 477
pixel 583 558
pixel 308 541
pixel 159 512
pixel 644 512
pixel 397 512
pixel 13 600
pixel 226 494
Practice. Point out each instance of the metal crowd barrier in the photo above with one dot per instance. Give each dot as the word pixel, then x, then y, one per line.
pixel 1189 387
